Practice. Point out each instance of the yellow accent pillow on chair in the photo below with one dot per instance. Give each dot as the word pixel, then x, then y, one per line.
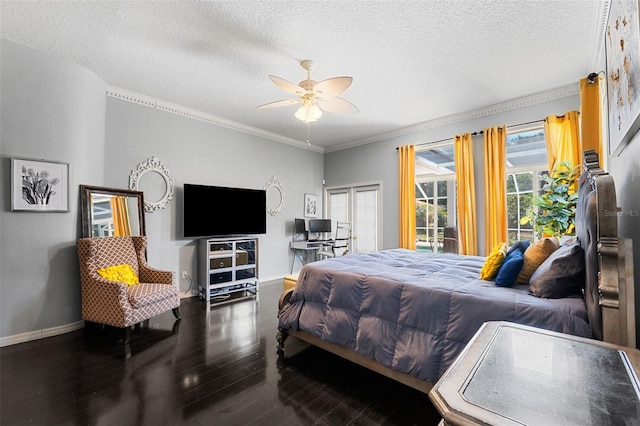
pixel 122 273
pixel 494 262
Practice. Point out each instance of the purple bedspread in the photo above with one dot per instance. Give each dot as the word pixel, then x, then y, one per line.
pixel 414 312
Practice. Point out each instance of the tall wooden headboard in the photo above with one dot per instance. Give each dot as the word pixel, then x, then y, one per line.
pixel 609 287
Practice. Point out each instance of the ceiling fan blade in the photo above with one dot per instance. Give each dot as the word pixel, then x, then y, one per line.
pixel 338 106
pixel 276 104
pixel 286 85
pixel 332 86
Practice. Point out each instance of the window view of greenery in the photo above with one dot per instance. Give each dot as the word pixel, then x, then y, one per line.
pixel 526 167
pixel 520 203
pixel 436 195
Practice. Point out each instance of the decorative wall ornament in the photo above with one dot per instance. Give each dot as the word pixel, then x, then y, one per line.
pixel 152 165
pixel 310 205
pixel 623 73
pixel 275 191
pixel 39 185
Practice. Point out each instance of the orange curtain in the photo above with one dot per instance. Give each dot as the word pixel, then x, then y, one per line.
pixel 466 197
pixel 407 191
pixel 562 135
pixel 495 159
pixel 120 214
pixel 591 117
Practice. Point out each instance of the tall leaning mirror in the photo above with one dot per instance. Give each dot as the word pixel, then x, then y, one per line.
pixel 111 211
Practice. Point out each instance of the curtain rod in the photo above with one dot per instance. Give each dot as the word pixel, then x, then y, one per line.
pixel 477 133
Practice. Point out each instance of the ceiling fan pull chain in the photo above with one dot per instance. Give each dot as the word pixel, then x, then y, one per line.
pixel 308 134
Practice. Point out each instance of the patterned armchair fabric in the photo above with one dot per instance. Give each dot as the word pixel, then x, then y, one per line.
pixel 115 303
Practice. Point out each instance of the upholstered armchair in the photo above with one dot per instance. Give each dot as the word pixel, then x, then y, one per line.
pixel 115 303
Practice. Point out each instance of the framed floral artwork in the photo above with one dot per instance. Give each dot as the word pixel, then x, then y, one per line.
pixel 39 185
pixel 310 205
pixel 622 45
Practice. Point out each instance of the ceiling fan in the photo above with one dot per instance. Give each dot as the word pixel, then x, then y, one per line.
pixel 315 97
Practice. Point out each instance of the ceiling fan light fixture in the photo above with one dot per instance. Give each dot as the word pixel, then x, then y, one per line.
pixel 311 95
pixel 308 113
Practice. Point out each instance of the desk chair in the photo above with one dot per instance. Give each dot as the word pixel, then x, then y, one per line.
pixel 341 242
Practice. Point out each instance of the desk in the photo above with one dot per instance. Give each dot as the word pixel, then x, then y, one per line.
pixel 306 251
pixel 511 374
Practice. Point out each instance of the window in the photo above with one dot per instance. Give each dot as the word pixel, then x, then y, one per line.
pixel 436 186
pixel 526 165
pixel 435 195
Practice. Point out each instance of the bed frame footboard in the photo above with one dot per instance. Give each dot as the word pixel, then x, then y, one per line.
pixel 351 355
pixel 348 354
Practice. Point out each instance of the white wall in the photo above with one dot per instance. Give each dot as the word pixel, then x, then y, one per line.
pixel 199 152
pixel 53 110
pixel 379 161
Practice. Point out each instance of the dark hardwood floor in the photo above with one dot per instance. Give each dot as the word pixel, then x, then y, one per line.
pixel 217 366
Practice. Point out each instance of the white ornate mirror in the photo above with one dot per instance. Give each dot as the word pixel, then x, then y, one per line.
pixel 275 196
pixel 154 179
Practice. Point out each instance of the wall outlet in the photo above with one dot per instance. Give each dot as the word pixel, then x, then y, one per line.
pixel 184 274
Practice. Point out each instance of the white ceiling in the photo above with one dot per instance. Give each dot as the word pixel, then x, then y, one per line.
pixel 411 61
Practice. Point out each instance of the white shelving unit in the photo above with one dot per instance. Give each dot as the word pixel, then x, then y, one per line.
pixel 228 268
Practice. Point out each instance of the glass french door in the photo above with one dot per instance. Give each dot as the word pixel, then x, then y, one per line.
pixel 359 205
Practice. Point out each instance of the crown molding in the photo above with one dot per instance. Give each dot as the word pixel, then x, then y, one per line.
pixel 547 96
pixel 155 103
pixel 599 31
pixel 148 101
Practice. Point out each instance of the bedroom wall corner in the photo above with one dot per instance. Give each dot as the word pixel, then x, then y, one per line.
pixel 54 110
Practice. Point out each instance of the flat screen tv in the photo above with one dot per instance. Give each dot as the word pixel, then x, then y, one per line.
pixel 216 211
pixel 319 225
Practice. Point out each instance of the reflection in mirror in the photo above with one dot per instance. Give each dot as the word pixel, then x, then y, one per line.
pixel 111 212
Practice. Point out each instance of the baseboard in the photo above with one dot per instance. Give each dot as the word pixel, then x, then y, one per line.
pixel 55 331
pixel 40 334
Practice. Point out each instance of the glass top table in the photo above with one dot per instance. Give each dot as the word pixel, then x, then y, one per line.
pixel 513 374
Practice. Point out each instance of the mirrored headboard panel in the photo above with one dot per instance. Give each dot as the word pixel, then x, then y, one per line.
pixel 111 211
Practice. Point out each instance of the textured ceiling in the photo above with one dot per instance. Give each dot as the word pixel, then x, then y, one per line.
pixel 411 61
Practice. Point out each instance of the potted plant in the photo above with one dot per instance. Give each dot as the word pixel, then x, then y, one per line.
pixel 557 203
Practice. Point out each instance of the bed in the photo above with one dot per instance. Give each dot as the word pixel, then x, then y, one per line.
pixel 408 315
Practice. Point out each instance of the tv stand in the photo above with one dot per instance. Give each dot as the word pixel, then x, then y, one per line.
pixel 228 268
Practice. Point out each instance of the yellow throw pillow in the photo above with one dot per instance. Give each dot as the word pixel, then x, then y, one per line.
pixel 534 256
pixel 494 262
pixel 121 273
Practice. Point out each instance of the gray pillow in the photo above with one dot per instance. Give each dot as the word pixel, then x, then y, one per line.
pixel 562 274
